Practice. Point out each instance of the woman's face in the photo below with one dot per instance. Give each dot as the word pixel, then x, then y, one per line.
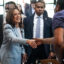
pixel 16 16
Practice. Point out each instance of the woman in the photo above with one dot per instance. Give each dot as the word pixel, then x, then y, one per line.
pixel 58 29
pixel 12 39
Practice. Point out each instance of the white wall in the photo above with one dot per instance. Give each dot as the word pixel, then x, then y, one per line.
pixel 49 7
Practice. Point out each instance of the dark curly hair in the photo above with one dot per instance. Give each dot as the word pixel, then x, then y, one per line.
pixel 10 17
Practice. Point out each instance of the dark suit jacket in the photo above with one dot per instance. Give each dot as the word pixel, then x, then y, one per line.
pixel 28 27
pixel 1 29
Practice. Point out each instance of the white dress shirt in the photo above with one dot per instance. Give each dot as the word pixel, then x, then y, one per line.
pixel 41 25
pixel 33 10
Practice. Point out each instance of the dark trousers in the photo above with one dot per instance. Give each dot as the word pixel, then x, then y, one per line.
pixel 38 53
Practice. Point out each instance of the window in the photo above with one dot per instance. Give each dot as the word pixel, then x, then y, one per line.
pixel 49 1
pixel 50 7
pixel 1 7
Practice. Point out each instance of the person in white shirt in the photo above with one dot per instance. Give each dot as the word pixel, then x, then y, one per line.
pixel 38 25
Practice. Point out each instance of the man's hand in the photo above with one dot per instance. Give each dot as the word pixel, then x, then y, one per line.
pixel 38 41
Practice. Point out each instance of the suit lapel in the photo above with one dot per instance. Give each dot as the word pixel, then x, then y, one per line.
pixel 32 21
pixel 15 32
pixel 45 22
pixel 32 24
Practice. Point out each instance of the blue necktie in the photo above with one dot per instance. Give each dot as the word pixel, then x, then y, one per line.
pixel 38 28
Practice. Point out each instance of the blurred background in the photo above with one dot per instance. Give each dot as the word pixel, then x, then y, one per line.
pixel 50 5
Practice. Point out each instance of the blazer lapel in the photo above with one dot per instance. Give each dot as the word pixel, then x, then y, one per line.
pixel 45 22
pixel 15 32
pixel 32 24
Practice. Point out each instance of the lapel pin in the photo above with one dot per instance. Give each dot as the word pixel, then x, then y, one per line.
pixel 45 18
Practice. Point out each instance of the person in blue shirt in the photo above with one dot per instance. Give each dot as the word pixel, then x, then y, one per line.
pixel 11 49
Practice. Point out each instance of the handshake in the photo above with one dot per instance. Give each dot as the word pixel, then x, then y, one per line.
pixel 38 41
pixel 34 42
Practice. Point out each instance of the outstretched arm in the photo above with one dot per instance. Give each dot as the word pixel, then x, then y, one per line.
pixel 59 41
pixel 59 36
pixel 40 41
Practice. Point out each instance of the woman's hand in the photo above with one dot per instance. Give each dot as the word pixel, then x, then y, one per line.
pixel 24 58
pixel 32 43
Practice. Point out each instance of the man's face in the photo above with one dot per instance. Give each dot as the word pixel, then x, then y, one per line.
pixel 11 6
pixel 39 8
pixel 6 7
pixel 33 5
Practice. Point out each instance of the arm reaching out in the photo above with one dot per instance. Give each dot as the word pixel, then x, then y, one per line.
pixel 40 41
pixel 32 43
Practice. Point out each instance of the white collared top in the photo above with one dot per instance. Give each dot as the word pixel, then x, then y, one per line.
pixel 41 25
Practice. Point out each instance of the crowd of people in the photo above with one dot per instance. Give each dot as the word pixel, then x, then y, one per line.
pixel 33 36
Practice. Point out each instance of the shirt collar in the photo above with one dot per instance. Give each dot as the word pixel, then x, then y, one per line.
pixel 41 16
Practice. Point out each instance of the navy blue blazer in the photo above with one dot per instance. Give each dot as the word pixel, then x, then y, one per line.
pixel 11 48
pixel 28 28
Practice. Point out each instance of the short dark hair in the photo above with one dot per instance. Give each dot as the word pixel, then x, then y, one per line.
pixel 42 1
pixel 33 1
pixel 61 4
pixel 11 2
pixel 10 17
